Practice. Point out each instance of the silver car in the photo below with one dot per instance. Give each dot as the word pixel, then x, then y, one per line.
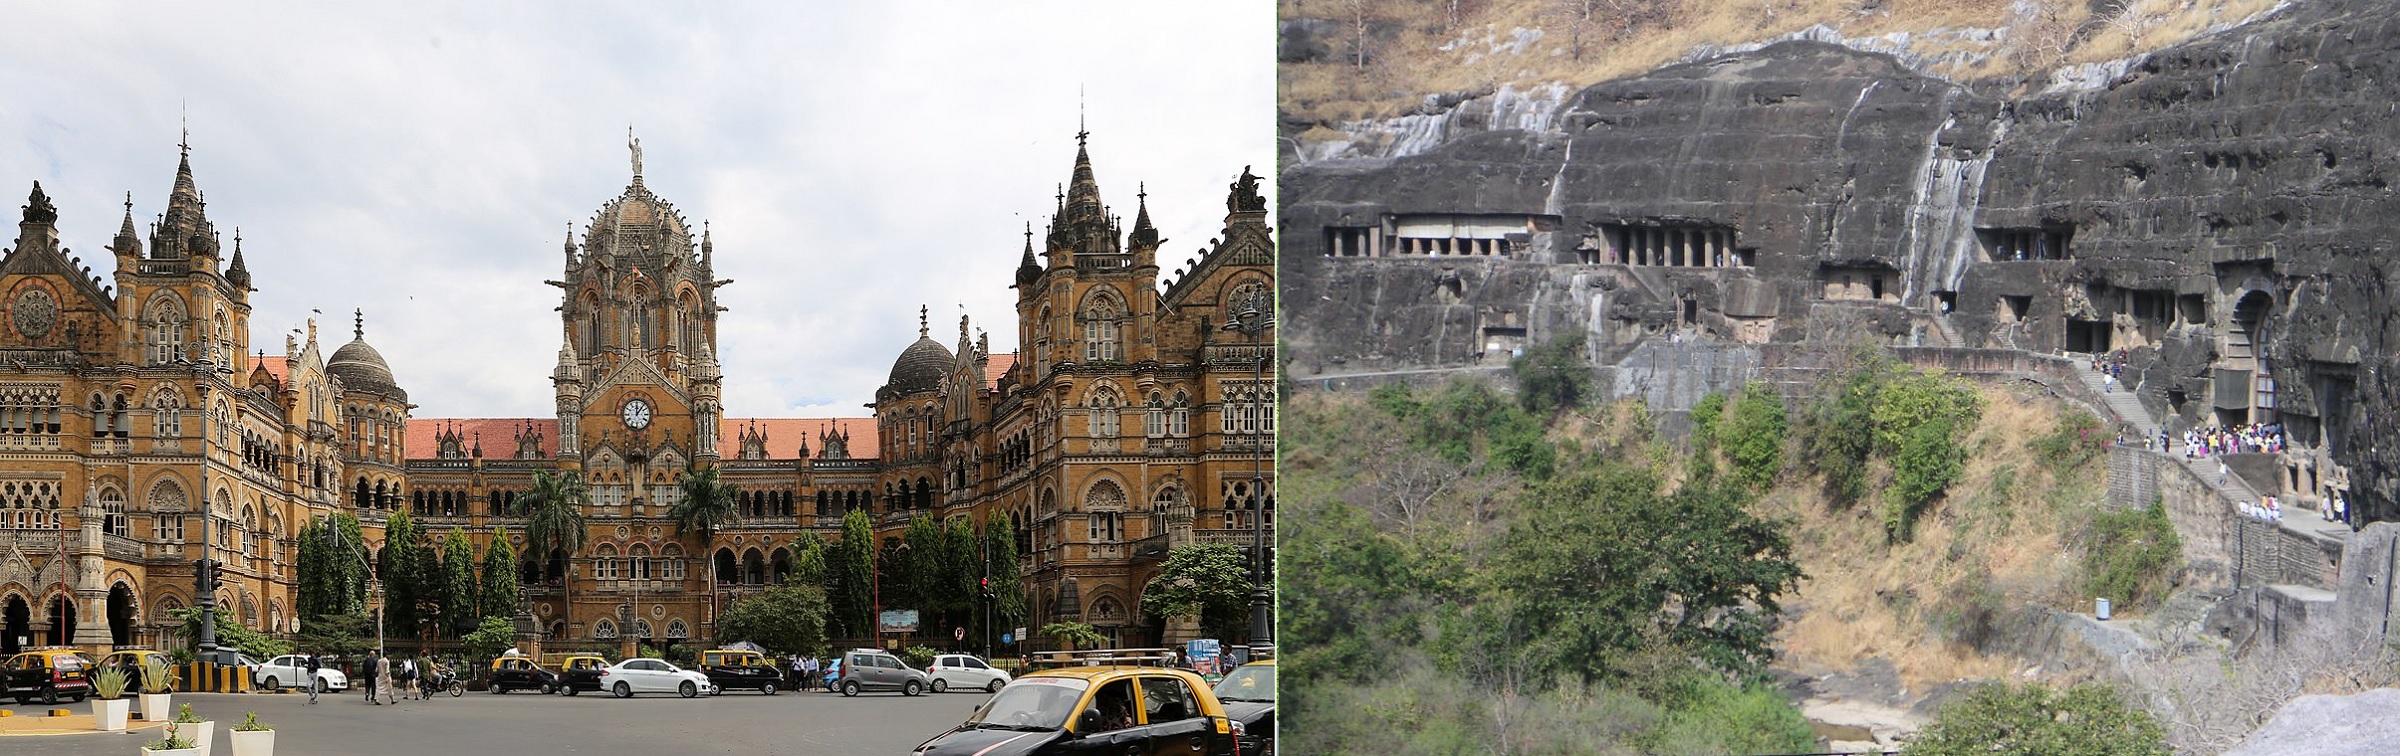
pixel 876 670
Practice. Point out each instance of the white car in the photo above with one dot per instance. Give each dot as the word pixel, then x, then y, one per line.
pixel 965 672
pixel 632 676
pixel 292 670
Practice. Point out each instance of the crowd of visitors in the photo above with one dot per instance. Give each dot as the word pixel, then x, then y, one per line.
pixel 2250 438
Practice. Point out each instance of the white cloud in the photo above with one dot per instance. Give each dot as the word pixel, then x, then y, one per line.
pixel 423 162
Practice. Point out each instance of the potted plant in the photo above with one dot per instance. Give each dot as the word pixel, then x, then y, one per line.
pixel 250 738
pixel 203 734
pixel 109 705
pixel 171 744
pixel 158 687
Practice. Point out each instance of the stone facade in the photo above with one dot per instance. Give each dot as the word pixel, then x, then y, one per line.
pixel 1135 427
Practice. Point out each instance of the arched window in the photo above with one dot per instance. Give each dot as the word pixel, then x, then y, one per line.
pixel 604 629
pixel 676 630
pixel 604 562
pixel 670 558
pixel 1103 318
pixel 1104 507
pixel 112 512
pixel 167 502
pixel 639 562
pixel 167 411
pixel 1179 416
pixel 1154 422
pixel 1103 413
pixel 164 319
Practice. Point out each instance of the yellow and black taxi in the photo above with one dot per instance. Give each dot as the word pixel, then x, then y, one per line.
pixel 736 669
pixel 47 674
pixel 521 673
pixel 580 672
pixel 1136 710
pixel 134 661
pixel 1249 697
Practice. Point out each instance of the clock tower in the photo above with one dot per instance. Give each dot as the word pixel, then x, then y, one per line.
pixel 637 377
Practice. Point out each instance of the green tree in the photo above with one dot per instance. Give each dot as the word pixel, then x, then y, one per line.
pixel 852 572
pixel 917 579
pixel 1754 436
pixel 1599 566
pixel 553 509
pixel 2128 555
pixel 229 634
pixel 494 636
pixel 1552 376
pixel 401 569
pixel 1000 552
pixel 332 577
pixel 1707 414
pixel 786 619
pixel 1208 580
pixel 498 594
pixel 345 635
pixel 1075 635
pixel 1841 427
pixel 2009 720
pixel 808 559
pixel 459 610
pixel 707 504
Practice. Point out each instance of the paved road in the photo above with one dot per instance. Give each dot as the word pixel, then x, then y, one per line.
pixel 820 724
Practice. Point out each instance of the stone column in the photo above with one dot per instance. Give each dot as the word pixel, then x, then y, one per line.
pixel 90 594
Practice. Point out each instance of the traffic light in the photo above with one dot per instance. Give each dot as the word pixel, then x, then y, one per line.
pixel 206 570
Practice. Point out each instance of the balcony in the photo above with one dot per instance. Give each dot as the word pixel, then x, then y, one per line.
pixel 1239 355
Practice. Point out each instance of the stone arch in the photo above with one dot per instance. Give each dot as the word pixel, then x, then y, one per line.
pixel 16 619
pixel 1105 495
pixel 677 630
pixel 728 570
pixel 754 567
pixel 604 628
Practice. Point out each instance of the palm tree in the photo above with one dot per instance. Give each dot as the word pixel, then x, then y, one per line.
pixel 707 503
pixel 706 506
pixel 553 512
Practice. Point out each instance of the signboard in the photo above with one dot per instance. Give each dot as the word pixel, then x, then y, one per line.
pixel 1021 633
pixel 900 620
pixel 958 633
pixel 1006 639
pixel 1205 657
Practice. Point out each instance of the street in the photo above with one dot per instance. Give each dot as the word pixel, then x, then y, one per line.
pixel 528 723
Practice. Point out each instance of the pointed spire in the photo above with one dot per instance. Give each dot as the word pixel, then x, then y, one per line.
pixel 1144 234
pixel 708 244
pixel 1028 269
pixel 924 331
pixel 570 239
pixel 358 324
pixel 237 273
pixel 127 239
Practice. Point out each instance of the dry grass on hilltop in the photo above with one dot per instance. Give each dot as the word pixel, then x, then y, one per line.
pixel 1418 49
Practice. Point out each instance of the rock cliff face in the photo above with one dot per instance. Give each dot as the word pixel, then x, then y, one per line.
pixel 2223 210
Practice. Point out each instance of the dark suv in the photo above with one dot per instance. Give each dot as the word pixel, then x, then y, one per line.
pixel 47 674
pixel 876 670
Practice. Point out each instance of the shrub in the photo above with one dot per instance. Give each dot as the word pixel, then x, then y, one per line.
pixel 2130 554
pixel 1716 717
pixel 2077 440
pixel 2008 720
pixel 1705 416
pixel 1552 376
pixel 1754 436
pixel 918 656
pixel 251 724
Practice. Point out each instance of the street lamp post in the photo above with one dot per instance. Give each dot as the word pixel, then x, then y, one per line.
pixel 333 540
pixel 1257 314
pixel 204 571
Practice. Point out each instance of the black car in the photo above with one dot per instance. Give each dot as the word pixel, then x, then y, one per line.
pixel 520 673
pixel 1249 697
pixel 580 673
pixel 735 669
pixel 48 674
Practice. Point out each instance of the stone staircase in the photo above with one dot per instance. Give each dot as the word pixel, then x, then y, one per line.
pixel 2122 402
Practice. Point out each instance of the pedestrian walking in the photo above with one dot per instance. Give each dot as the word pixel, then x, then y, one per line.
pixel 312 678
pixel 408 679
pixel 383 680
pixel 2224 474
pixel 367 671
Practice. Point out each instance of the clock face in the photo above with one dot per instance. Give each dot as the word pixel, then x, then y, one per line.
pixel 637 414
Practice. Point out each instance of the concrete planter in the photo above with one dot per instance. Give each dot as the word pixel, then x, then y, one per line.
pixel 253 743
pixel 109 714
pixel 171 752
pixel 155 707
pixel 204 734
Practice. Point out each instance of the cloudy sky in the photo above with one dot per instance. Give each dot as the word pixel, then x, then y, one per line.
pixel 422 161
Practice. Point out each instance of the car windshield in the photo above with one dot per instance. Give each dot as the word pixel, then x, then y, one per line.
pixel 1249 683
pixel 1033 703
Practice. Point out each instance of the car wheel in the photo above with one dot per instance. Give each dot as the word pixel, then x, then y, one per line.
pixel 688 689
pixel 994 687
pixel 911 688
pixel 849 687
pixel 273 684
pixel 79 697
pixel 768 689
pixel 323 686
pixel 50 698
pixel 569 690
pixel 548 689
pixel 940 685
pixel 624 690
pixel 496 688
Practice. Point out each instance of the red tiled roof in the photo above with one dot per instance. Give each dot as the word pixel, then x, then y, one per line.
pixel 784 435
pixel 499 435
pixel 996 367
pixel 280 367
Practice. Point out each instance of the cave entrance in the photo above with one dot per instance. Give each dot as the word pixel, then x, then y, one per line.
pixel 2087 336
pixel 2247 333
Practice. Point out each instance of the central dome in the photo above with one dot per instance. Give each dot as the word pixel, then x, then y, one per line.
pixel 361 368
pixel 640 216
pixel 920 367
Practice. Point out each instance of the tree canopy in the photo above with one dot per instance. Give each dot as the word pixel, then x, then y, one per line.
pixel 786 619
pixel 1208 580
